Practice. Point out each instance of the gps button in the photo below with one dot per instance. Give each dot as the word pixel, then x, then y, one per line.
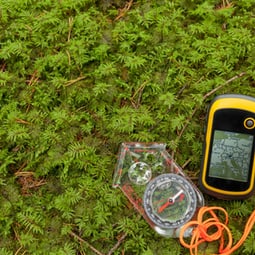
pixel 249 123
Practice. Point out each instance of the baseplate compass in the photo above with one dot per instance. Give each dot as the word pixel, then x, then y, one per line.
pixel 169 201
pixel 157 187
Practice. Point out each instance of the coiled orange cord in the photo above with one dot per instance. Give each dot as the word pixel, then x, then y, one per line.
pixel 200 233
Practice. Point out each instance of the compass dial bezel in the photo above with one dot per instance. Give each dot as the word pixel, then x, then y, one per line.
pixel 166 183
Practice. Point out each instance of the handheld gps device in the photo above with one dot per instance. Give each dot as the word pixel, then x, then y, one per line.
pixel 228 165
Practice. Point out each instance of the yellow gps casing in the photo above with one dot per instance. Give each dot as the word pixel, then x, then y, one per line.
pixel 228 165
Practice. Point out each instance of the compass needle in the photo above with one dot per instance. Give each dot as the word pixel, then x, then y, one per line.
pixel 171 201
pixel 164 206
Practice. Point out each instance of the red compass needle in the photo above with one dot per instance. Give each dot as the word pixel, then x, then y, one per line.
pixel 171 201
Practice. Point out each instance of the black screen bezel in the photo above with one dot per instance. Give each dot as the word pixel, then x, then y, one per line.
pixel 231 120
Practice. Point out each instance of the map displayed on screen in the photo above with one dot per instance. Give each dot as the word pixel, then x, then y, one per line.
pixel 230 156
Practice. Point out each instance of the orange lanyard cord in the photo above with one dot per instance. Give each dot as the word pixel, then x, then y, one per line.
pixel 200 232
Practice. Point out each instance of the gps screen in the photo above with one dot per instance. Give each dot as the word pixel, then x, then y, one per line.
pixel 231 156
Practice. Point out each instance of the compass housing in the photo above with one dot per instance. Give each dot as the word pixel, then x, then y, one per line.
pixel 139 167
pixel 170 201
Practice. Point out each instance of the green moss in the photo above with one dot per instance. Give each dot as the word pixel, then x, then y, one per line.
pixel 77 78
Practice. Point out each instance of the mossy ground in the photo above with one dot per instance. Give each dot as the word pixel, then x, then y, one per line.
pixel 77 78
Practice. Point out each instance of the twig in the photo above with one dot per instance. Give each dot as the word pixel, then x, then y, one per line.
pixel 22 121
pixel 206 96
pixel 139 91
pixel 21 247
pixel 24 173
pixel 21 167
pixel 71 82
pixel 69 57
pixel 225 5
pixel 70 24
pixel 17 252
pixel 34 78
pixel 31 83
pixel 116 246
pixel 224 84
pixel 83 241
pixel 123 11
pixel 186 163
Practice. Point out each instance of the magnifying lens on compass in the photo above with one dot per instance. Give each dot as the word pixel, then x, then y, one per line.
pixel 169 201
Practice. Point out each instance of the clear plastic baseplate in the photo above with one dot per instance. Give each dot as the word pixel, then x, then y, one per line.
pixel 137 166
